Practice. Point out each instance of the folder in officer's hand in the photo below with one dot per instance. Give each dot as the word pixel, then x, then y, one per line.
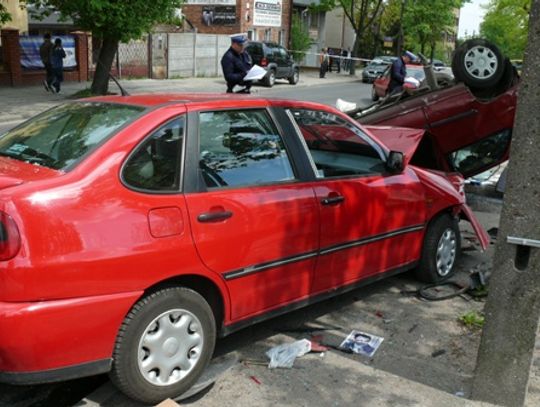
pixel 255 73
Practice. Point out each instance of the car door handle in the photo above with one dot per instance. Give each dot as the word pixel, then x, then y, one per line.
pixel 214 216
pixel 333 200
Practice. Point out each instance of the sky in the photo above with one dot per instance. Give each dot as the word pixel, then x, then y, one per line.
pixel 470 17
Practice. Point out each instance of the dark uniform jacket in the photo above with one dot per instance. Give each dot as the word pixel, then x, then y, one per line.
pixel 397 75
pixel 235 67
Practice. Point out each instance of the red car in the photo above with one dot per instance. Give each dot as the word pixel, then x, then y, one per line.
pixel 136 229
pixel 469 124
pixel 380 85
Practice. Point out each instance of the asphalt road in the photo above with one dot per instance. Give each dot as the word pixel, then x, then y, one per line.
pixel 68 393
pixel 356 92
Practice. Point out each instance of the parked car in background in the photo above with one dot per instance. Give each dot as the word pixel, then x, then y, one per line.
pixel 277 61
pixel 137 229
pixel 374 69
pixel 380 85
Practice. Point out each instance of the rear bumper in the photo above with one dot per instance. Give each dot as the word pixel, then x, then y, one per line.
pixel 62 339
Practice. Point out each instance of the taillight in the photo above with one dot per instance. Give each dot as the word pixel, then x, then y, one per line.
pixel 10 238
pixel 264 62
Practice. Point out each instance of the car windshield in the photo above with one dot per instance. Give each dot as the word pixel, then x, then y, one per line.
pixel 60 137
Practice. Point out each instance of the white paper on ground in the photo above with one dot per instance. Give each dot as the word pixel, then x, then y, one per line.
pixel 255 73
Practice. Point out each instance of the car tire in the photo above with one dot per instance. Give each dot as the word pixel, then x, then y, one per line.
pixel 478 63
pixel 185 319
pixel 374 95
pixel 509 78
pixel 440 252
pixel 270 78
pixel 293 80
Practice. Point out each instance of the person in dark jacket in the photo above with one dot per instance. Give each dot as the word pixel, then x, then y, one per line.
pixel 399 71
pixel 45 55
pixel 236 63
pixel 57 62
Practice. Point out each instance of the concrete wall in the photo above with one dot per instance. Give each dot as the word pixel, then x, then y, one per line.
pixel 191 54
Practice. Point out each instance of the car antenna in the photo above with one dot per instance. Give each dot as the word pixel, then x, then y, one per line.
pixel 122 90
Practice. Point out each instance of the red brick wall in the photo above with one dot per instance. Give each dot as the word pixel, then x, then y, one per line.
pixel 194 15
pixel 12 55
pixel 16 76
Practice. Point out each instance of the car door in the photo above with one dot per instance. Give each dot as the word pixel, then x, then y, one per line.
pixel 372 221
pixel 253 221
pixel 381 83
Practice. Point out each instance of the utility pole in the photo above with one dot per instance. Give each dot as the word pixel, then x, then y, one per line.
pixel 513 305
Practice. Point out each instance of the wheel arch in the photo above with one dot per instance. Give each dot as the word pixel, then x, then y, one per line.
pixel 215 293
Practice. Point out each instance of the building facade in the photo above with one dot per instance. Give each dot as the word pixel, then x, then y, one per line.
pixel 262 20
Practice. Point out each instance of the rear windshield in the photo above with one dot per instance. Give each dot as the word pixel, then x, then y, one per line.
pixel 62 136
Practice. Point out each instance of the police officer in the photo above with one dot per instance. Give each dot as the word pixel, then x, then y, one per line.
pixel 236 63
pixel 399 71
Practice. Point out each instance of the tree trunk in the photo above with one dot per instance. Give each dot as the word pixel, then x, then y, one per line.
pixel 100 84
pixel 355 53
pixel 513 305
pixel 432 53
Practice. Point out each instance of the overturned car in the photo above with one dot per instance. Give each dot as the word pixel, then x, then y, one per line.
pixel 468 122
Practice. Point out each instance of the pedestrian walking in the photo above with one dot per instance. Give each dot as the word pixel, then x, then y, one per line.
pixel 57 62
pixel 236 63
pixel 399 71
pixel 337 59
pixel 323 60
pixel 45 55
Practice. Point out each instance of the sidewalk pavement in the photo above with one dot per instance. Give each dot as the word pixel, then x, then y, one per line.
pixel 20 103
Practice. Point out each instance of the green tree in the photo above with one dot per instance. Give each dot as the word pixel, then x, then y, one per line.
pixel 4 15
pixel 506 24
pixel 300 40
pixel 424 23
pixel 362 14
pixel 111 21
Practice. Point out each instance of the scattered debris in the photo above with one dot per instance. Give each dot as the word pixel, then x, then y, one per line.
pixel 493 232
pixel 309 328
pixel 255 379
pixel 412 328
pixel 460 393
pixel 284 355
pixel 438 352
pixel 379 314
pixel 362 343
pixel 254 362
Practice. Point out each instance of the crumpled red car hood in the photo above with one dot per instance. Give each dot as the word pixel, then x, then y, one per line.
pixel 401 139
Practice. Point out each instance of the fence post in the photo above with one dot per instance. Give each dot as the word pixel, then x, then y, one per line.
pixel 195 53
pixel 217 55
pixel 150 55
pixel 12 54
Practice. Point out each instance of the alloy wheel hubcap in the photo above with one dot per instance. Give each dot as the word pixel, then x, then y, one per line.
pixel 481 62
pixel 446 252
pixel 170 347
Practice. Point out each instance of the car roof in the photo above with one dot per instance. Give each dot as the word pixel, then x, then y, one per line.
pixel 218 100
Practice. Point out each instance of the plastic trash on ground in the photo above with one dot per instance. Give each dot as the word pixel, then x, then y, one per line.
pixel 284 355
pixel 344 106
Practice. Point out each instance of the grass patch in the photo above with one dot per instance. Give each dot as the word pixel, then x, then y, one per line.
pixel 472 319
pixel 87 93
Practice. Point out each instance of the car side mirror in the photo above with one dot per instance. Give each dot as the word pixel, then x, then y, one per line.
pixel 394 163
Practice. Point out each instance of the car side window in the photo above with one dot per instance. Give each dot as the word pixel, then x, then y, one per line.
pixel 481 154
pixel 337 147
pixel 155 164
pixel 241 148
